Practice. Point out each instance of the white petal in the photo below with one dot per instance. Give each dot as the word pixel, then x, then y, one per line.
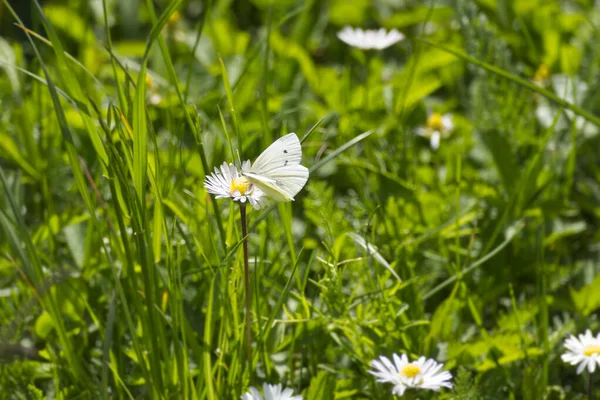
pixel 545 115
pixel 246 165
pixel 435 140
pixel 400 361
pixel 591 366
pixel 399 389
pixel 581 367
pixel 253 394
pixel 369 39
pixel 447 123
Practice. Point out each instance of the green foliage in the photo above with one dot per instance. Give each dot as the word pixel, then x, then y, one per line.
pixel 122 278
pixel 16 379
pixel 465 386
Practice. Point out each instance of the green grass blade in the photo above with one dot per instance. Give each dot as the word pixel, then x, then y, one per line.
pixel 140 137
pixel 175 83
pixel 520 81
pixel 339 150
pixel 229 94
pixel 509 238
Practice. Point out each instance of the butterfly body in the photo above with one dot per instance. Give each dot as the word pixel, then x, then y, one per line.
pixel 277 171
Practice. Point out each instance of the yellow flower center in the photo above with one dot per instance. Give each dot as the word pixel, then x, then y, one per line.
pixel 542 73
pixel 410 370
pixel 174 18
pixel 240 184
pixel 591 349
pixel 149 82
pixel 435 121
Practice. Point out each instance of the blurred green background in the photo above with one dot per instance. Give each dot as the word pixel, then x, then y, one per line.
pixel 120 277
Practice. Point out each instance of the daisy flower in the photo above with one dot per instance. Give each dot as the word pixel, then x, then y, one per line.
pixel 421 374
pixel 271 392
pixel 436 127
pixel 229 182
pixel 369 39
pixel 583 350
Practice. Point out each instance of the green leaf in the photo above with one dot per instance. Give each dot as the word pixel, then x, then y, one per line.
pixel 502 153
pixel 7 60
pixel 288 49
pixel 229 94
pixel 419 15
pixel 11 151
pixel 75 235
pixel 587 299
pixel 445 320
pixel 71 295
pixel 44 325
pixel 523 82
pixel 570 59
pixel 427 85
pixel 322 386
pixel 344 12
pixel 140 137
pixel 70 22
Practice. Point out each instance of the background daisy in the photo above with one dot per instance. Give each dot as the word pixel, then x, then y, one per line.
pixel 403 374
pixel 369 39
pixel 271 392
pixel 436 127
pixel 583 350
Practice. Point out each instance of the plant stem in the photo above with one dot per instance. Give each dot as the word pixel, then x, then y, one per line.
pixel 590 387
pixel 366 93
pixel 246 284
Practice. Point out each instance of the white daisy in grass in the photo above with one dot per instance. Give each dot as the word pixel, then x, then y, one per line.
pixel 436 127
pixel 583 350
pixel 271 392
pixel 369 39
pixel 229 182
pixel 420 374
pixel 276 173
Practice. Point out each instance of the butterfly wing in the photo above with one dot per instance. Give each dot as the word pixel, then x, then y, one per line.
pixel 285 151
pixel 277 171
pixel 281 184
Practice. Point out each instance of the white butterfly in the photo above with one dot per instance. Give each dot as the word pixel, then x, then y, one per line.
pixel 277 171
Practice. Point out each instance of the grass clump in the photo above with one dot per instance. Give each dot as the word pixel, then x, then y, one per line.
pixel 450 212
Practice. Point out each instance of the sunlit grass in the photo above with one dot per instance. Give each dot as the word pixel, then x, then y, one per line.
pixel 122 277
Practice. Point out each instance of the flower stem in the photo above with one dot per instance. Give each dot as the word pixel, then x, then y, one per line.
pixel 246 284
pixel 590 387
pixel 366 93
